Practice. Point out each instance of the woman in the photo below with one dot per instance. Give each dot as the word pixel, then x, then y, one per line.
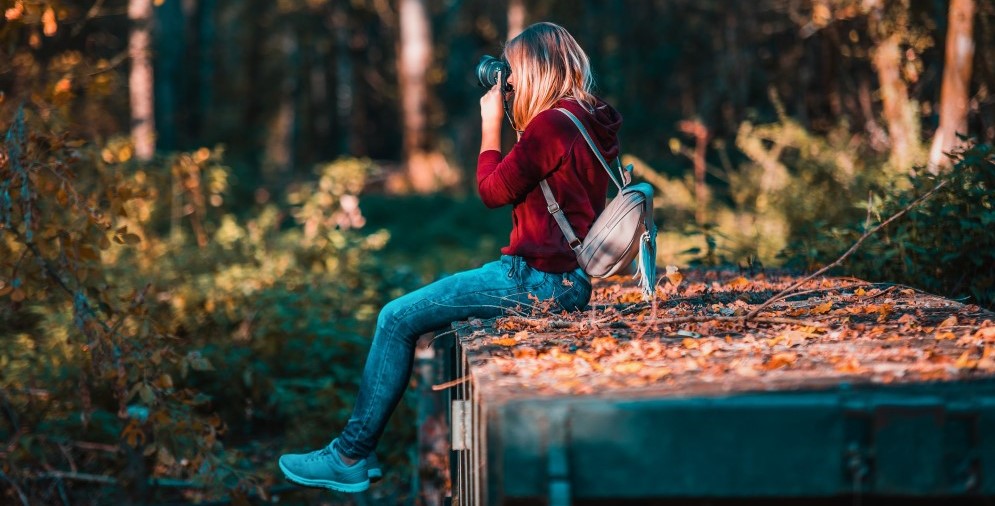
pixel 549 70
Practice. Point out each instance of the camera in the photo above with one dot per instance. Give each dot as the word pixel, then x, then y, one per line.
pixel 488 69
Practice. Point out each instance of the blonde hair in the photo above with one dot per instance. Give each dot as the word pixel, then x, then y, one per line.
pixel 547 65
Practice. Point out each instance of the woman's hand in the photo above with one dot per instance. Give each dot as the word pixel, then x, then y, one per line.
pixel 491 108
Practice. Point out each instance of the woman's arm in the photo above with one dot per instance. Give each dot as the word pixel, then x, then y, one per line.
pixel 490 119
pixel 503 180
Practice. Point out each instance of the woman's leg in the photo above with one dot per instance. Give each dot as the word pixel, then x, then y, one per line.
pixel 495 289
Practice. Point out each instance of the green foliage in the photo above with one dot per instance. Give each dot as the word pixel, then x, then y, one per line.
pixel 140 315
pixel 944 244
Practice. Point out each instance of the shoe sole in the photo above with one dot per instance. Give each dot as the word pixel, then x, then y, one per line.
pixel 329 484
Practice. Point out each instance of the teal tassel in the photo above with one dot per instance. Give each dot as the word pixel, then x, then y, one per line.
pixel 646 267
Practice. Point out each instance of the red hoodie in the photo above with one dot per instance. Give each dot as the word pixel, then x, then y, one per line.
pixel 552 147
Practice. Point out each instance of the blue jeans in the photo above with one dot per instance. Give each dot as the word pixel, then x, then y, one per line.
pixel 486 292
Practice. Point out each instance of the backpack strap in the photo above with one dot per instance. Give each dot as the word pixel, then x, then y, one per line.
pixel 597 152
pixel 554 208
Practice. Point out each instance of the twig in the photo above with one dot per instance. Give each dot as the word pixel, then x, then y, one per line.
pixel 738 319
pixel 849 252
pixel 563 324
pixel 110 480
pixel 20 493
pixel 443 386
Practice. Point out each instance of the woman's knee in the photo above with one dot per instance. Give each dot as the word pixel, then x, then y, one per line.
pixel 389 315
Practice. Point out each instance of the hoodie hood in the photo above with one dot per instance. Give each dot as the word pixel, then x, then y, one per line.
pixel 603 124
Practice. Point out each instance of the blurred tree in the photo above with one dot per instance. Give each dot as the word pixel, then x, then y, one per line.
pixel 140 79
pixel 427 168
pixel 516 17
pixel 889 27
pixel 956 82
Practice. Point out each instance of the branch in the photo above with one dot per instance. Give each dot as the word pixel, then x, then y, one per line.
pixel 783 293
pixel 110 480
pixel 20 493
pixel 563 324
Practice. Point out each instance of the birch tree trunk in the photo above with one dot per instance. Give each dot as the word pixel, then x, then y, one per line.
pixel 140 79
pixel 899 113
pixel 956 82
pixel 426 168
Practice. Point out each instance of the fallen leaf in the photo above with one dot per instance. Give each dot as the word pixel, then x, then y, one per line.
pixel 739 283
pixel 849 366
pixel 654 373
pixel 965 361
pixel 674 276
pixel 884 310
pixel 949 322
pixel 707 348
pixel 985 334
pixel 628 367
pixel 603 344
pixel 823 308
pixel 504 341
pixel 779 360
pixel 525 352
pixel 908 318
pixel 945 335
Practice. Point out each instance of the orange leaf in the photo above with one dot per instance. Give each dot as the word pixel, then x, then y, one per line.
pixel 506 341
pixel 965 361
pixel 985 334
pixel 943 335
pixel 525 352
pixel 850 365
pixel 779 360
pixel 949 322
pixel 628 367
pixel 823 308
pixel 603 344
pixel 739 282
pixel 133 434
pixel 49 26
pixel 674 276
pixel 884 310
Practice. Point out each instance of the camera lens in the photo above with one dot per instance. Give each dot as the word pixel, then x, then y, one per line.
pixel 488 69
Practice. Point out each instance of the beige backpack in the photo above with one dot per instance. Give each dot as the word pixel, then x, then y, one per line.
pixel 623 233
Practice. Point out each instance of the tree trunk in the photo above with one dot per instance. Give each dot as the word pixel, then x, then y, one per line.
pixel 516 17
pixel 279 153
pixel 899 112
pixel 342 81
pixel 427 170
pixel 140 79
pixel 956 82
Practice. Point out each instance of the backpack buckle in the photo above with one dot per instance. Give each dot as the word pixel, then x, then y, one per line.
pixel 553 208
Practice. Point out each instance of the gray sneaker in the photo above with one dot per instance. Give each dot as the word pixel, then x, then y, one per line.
pixel 324 469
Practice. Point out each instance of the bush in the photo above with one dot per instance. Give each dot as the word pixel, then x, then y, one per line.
pixel 944 245
pixel 150 336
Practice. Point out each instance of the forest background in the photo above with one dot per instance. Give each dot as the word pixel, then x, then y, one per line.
pixel 204 203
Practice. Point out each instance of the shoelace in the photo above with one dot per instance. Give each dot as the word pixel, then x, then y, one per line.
pixel 317 455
